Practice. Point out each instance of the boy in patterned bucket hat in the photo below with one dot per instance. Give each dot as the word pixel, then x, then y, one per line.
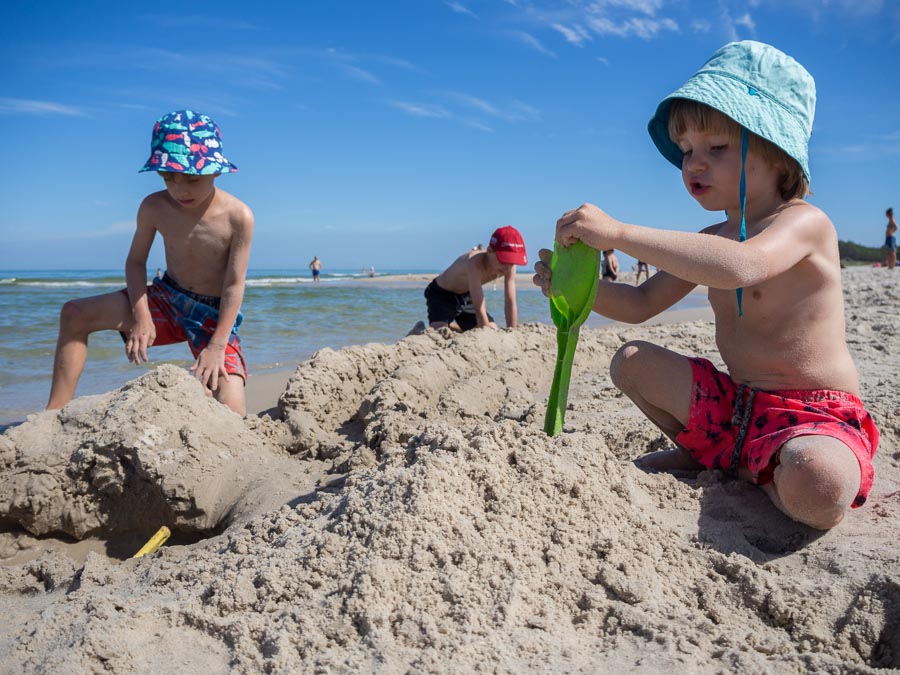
pixel 207 234
pixel 786 415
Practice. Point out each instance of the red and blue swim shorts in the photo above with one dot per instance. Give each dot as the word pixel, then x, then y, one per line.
pixel 732 426
pixel 180 315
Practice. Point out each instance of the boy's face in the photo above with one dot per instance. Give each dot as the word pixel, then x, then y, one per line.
pixel 189 191
pixel 711 168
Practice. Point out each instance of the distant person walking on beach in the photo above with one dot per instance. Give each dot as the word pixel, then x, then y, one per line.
pixel 207 235
pixel 786 415
pixel 455 297
pixel 642 265
pixel 610 265
pixel 316 266
pixel 159 273
pixel 890 241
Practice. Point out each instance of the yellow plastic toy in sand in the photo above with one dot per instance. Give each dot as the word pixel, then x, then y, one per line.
pixel 157 540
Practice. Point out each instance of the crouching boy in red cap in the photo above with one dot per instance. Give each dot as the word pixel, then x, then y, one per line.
pixel 455 298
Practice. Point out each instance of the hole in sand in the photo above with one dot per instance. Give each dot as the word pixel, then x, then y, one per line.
pixel 18 546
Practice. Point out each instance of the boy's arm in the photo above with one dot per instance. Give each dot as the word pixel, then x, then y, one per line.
pixel 621 301
pixel 142 333
pixel 210 363
pixel 473 274
pixel 509 298
pixel 704 258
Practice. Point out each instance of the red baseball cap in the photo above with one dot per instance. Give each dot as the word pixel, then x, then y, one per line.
pixel 509 246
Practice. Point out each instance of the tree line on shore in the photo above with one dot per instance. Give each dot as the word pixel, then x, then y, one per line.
pixel 853 252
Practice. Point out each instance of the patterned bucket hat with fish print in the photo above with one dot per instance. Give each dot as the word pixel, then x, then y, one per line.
pixel 188 142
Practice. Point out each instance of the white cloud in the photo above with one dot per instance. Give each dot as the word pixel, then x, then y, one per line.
pixel 701 26
pixel 522 111
pixel 648 7
pixel 397 63
pixel 858 7
pixel 459 8
pixel 358 73
pixel 208 21
pixel 475 124
pixel 639 27
pixel 422 109
pixel 474 102
pixel 156 59
pixel 514 111
pixel 31 107
pixel 533 42
pixel 575 34
pixel 746 21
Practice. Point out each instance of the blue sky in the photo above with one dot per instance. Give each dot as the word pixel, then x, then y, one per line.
pixel 395 134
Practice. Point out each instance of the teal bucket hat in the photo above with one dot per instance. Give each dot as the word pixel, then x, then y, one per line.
pixel 761 88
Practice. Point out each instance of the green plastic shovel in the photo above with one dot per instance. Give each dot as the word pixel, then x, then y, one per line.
pixel 575 274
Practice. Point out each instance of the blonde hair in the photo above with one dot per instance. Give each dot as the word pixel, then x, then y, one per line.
pixel 685 114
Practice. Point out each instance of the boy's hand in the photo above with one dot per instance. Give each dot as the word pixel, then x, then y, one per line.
pixel 587 223
pixel 141 336
pixel 541 276
pixel 210 364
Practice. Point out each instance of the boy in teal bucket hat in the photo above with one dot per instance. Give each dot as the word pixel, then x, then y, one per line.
pixel 207 235
pixel 786 415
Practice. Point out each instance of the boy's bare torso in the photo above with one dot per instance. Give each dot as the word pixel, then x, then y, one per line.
pixel 456 277
pixel 791 334
pixel 197 243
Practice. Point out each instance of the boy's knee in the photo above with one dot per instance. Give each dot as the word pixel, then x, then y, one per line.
pixel 623 362
pixel 817 479
pixel 73 316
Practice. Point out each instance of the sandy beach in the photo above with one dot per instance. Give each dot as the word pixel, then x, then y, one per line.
pixel 398 508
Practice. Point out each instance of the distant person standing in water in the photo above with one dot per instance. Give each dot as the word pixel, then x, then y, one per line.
pixel 641 265
pixel 610 265
pixel 372 272
pixel 159 273
pixel 890 241
pixel 316 266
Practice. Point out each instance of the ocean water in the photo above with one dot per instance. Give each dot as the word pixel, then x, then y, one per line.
pixel 286 318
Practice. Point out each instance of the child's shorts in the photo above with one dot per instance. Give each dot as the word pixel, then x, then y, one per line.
pixel 446 306
pixel 180 315
pixel 733 426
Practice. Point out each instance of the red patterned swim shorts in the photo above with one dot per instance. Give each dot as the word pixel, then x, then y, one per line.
pixel 732 426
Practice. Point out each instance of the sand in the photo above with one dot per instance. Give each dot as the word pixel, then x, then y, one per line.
pixel 406 513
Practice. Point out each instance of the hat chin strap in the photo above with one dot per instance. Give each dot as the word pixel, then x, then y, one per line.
pixel 745 138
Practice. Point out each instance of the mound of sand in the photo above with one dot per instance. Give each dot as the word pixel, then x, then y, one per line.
pixel 446 532
pixel 155 452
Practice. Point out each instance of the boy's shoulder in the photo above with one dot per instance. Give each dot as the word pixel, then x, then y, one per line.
pixel 233 205
pixel 800 213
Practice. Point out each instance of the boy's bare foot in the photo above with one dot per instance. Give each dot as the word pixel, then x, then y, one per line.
pixel 668 460
pixel 418 329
